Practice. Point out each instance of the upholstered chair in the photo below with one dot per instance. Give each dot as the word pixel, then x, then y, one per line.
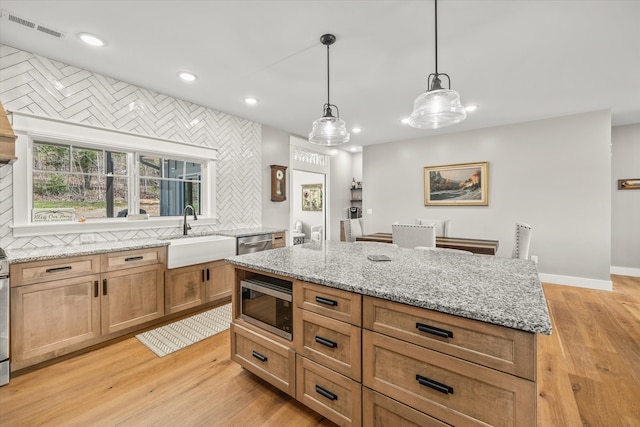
pixel 522 241
pixel 352 228
pixel 450 250
pixel 317 232
pixel 443 226
pixel 411 235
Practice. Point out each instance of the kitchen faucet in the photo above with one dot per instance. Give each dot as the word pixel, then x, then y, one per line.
pixel 185 225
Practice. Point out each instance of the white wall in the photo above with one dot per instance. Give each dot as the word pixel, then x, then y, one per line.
pixel 625 214
pixel 553 174
pixel 275 151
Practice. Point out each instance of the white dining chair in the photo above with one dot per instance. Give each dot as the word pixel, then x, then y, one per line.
pixel 443 226
pixel 522 241
pixel 352 229
pixel 450 250
pixel 410 235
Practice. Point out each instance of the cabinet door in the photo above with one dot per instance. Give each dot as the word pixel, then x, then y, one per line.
pixel 131 297
pixel 50 319
pixel 184 287
pixel 219 281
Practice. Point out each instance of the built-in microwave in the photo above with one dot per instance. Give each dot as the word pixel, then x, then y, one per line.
pixel 267 303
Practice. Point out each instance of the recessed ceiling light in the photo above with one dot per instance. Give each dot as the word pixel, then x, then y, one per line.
pixel 356 130
pixel 187 77
pixel 251 101
pixel 91 40
pixel 354 149
pixel 405 120
pixel 470 108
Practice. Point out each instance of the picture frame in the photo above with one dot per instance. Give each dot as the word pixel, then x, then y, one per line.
pixel 463 184
pixel 312 197
pixel 629 184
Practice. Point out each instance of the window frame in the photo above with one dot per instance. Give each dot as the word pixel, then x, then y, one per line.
pixel 30 128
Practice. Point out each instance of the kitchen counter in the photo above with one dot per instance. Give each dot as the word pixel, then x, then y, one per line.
pixel 244 232
pixel 501 291
pixel 16 256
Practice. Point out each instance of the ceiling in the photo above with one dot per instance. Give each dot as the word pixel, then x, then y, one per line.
pixel 517 60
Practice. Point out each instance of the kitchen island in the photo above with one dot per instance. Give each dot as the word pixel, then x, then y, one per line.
pixel 427 337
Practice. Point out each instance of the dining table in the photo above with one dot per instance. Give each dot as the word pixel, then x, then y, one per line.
pixel 477 246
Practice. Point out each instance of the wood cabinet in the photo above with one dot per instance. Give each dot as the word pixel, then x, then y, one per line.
pixel 362 360
pixel 278 240
pixel 265 357
pixel 195 285
pixel 7 138
pixel 54 317
pixel 64 305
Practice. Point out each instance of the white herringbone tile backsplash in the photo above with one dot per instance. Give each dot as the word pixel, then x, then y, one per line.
pixel 38 85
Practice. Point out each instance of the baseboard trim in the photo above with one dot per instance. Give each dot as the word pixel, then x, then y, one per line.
pixel 625 271
pixel 581 282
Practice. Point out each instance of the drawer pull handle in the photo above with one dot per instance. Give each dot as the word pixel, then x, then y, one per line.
pixel 208 275
pixel 259 356
pixel 326 342
pixel 104 286
pixel 57 269
pixel 95 289
pixel 442 388
pixel 327 301
pixel 134 258
pixel 326 393
pixel 277 238
pixel 434 331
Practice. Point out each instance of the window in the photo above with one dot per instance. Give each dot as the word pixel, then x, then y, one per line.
pixel 168 185
pixel 90 183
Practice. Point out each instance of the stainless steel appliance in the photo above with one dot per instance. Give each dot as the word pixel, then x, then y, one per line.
pixel 255 243
pixel 4 318
pixel 267 303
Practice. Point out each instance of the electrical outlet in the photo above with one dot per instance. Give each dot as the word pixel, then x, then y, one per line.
pixel 369 211
pixel 87 238
pixel 534 258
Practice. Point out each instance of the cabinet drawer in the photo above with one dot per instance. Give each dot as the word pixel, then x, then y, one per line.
pixel 379 411
pixel 495 346
pixel 278 240
pixel 265 358
pixel 330 302
pixel 447 388
pixel 328 393
pixel 42 271
pixel 136 258
pixel 330 342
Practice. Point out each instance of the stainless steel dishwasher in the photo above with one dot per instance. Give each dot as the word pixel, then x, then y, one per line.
pixel 255 243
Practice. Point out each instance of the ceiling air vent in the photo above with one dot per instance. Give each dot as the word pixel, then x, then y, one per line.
pixel 30 24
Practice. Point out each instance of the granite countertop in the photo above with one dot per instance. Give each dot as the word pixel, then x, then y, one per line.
pixel 501 291
pixel 243 232
pixel 54 252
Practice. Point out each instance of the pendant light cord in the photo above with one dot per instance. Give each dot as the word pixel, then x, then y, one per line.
pixel 328 79
pixel 436 26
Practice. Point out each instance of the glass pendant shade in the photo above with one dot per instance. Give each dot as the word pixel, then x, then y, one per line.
pixel 436 109
pixel 329 130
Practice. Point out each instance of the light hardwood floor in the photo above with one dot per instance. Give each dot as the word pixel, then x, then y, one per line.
pixel 588 373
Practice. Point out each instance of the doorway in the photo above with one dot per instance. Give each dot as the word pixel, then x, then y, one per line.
pixel 308 204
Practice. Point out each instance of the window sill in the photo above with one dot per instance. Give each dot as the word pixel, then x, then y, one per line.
pixel 97 226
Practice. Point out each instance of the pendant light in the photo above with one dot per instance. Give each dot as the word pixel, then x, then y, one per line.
pixel 438 107
pixel 329 130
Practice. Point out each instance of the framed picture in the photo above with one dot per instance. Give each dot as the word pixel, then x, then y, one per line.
pixel 629 184
pixel 312 197
pixel 465 184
